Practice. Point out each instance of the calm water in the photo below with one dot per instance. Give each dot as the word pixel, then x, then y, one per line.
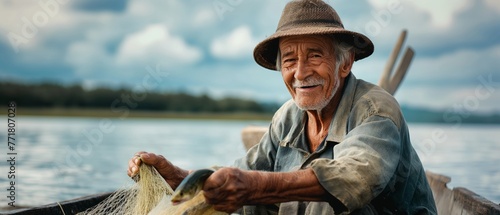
pixel 65 158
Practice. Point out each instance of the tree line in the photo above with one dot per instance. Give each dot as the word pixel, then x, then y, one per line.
pixel 52 95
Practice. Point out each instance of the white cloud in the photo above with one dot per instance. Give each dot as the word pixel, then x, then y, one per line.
pixel 442 12
pixel 24 22
pixel 204 17
pixel 459 65
pixel 237 44
pixel 155 44
pixel 15 11
pixel 152 8
pixel 88 58
pixel 495 4
pixel 444 81
pixel 139 8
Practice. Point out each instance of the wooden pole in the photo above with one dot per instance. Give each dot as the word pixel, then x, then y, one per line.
pixel 386 74
pixel 401 71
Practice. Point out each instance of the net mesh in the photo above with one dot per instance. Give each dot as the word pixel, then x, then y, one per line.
pixel 149 195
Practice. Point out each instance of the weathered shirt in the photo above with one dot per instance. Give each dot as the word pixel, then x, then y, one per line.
pixel 366 163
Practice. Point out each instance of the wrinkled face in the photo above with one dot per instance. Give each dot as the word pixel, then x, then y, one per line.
pixel 308 67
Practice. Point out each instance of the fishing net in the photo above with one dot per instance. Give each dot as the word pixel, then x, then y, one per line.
pixel 149 195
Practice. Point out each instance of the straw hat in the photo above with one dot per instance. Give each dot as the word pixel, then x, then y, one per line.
pixel 309 17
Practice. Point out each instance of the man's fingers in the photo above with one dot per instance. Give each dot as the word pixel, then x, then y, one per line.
pixel 159 162
pixel 212 197
pixel 132 168
pixel 215 181
pixel 137 157
pixel 167 170
pixel 134 163
pixel 151 159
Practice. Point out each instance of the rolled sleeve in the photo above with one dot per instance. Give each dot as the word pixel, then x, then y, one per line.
pixel 363 163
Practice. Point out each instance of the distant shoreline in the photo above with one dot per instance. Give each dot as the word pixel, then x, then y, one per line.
pixel 106 113
pixel 412 116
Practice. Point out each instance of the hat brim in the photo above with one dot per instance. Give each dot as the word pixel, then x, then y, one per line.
pixel 266 51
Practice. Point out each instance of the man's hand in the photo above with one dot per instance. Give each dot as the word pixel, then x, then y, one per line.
pixel 228 189
pixel 172 174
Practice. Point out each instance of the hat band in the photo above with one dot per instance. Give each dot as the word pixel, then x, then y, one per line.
pixel 309 21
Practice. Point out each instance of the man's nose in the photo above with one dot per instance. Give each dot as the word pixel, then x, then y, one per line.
pixel 302 70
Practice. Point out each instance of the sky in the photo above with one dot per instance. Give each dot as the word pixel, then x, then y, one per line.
pixel 207 46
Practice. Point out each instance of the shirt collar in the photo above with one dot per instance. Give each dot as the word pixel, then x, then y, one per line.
pixel 338 126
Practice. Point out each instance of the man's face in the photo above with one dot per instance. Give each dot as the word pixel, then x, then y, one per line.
pixel 308 67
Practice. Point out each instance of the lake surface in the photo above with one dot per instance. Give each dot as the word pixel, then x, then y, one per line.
pixel 64 158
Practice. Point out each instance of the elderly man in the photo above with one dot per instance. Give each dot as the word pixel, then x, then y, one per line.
pixel 341 145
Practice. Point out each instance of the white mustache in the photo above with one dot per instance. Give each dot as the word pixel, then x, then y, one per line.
pixel 311 81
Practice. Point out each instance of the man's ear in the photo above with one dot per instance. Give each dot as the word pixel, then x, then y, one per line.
pixel 345 69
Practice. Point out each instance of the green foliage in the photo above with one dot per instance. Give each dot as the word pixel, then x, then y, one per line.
pixel 49 95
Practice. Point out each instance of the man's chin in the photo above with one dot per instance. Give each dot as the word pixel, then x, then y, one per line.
pixel 310 106
pixel 312 103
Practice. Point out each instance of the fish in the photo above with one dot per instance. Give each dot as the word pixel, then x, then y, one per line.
pixel 190 186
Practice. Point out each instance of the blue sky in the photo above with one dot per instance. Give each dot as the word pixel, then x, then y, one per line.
pixel 206 46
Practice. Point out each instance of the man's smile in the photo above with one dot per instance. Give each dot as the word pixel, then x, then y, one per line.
pixel 307 88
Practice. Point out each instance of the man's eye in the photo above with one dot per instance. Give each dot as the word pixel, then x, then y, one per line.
pixel 316 56
pixel 289 60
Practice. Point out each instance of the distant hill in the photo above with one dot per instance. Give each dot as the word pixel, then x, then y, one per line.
pixel 50 95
